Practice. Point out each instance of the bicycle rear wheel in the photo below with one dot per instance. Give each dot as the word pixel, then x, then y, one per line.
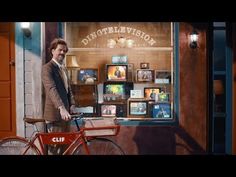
pixel 16 146
pixel 100 146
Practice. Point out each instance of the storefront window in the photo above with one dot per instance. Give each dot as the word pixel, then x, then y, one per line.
pixel 131 66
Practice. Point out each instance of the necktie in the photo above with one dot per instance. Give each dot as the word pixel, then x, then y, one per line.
pixel 65 79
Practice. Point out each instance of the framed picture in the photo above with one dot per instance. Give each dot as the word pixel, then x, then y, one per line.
pixel 161 111
pixel 119 59
pixel 137 108
pixel 108 110
pixel 116 72
pixel 144 65
pixel 152 93
pixel 88 75
pixel 136 94
pixel 145 75
pixel 162 77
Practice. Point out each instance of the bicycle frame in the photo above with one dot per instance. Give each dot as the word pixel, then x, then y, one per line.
pixel 91 138
pixel 72 139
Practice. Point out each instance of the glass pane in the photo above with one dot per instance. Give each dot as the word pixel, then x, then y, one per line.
pixel 98 44
pixel 219 50
pixel 219 135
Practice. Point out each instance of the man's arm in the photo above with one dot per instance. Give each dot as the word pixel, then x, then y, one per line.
pixel 50 86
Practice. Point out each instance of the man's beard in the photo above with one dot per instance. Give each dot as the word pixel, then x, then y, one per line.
pixel 61 59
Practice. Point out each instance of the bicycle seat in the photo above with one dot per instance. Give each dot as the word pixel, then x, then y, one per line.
pixel 33 120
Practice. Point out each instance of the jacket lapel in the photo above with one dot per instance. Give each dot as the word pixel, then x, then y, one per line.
pixel 58 72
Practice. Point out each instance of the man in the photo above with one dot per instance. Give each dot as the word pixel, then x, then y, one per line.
pixel 117 72
pixel 59 102
pixel 153 95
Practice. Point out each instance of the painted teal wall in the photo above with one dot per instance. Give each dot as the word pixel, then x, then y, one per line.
pixel 32 43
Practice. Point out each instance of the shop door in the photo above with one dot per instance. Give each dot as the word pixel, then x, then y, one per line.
pixel 7 80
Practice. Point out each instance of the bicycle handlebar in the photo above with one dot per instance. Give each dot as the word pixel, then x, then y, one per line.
pixel 77 116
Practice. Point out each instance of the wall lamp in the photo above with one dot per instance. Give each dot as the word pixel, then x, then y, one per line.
pixel 25 26
pixel 193 39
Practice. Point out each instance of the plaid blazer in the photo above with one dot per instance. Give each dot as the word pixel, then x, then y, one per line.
pixel 55 91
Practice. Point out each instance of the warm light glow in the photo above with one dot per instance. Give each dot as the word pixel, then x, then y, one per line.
pixel 120 42
pixel 71 61
pixel 194 37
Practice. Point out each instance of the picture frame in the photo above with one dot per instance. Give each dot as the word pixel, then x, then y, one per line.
pixel 161 111
pixel 116 72
pixel 145 75
pixel 108 110
pixel 162 77
pixel 137 108
pixel 144 65
pixel 136 94
pixel 88 76
pixel 151 93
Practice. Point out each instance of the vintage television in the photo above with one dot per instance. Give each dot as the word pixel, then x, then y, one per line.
pixel 151 93
pixel 87 74
pixel 145 75
pixel 118 88
pixel 108 110
pixel 162 77
pixel 137 108
pixel 119 59
pixel 116 72
pixel 161 111
pixel 119 110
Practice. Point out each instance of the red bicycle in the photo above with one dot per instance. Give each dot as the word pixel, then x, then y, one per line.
pixel 92 138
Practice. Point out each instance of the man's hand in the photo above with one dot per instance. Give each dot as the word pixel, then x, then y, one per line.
pixel 73 110
pixel 65 115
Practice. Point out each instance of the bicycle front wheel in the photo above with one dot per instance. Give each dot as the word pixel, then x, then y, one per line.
pixel 99 146
pixel 17 146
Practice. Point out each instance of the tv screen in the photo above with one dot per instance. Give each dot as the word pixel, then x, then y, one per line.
pixel 152 92
pixel 138 108
pixel 120 88
pixel 145 75
pixel 162 77
pixel 161 110
pixel 87 73
pixel 108 110
pixel 116 72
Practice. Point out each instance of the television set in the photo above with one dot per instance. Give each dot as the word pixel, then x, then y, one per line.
pixel 151 93
pixel 85 74
pixel 161 111
pixel 162 77
pixel 116 72
pixel 108 110
pixel 118 88
pixel 145 75
pixel 120 109
pixel 138 108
